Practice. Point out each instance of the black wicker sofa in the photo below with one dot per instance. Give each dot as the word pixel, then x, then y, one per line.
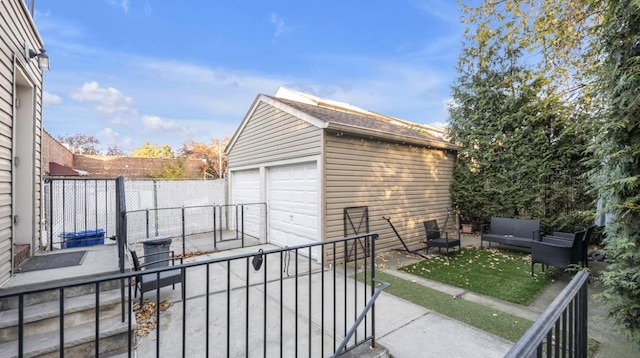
pixel 514 232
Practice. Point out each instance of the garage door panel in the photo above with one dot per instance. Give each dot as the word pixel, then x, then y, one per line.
pixel 246 189
pixel 293 205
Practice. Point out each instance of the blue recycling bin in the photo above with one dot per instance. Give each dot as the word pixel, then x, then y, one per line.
pixel 89 237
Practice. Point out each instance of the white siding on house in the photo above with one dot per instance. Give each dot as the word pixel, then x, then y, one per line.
pixel 271 134
pixel 410 184
pixel 16 29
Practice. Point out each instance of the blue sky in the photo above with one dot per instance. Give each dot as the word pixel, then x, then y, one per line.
pixel 135 71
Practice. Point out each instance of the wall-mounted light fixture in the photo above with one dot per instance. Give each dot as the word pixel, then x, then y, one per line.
pixel 42 57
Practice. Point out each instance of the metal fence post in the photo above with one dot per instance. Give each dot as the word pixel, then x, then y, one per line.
pixel 373 288
pixel 242 223
pixel 184 251
pixel 215 247
pixel 147 222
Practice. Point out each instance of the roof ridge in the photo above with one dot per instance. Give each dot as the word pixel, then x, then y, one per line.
pixel 301 97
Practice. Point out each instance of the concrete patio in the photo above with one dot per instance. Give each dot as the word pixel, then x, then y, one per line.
pixel 402 327
pixel 405 329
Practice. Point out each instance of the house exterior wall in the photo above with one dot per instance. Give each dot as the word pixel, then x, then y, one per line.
pixel 53 151
pixel 273 135
pixel 16 29
pixel 410 184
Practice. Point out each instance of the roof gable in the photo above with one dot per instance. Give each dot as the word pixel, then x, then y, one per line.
pixel 280 105
pixel 344 117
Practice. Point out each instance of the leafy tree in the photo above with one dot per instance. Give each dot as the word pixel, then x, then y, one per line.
pixel 520 155
pixel 215 162
pixel 616 150
pixel 174 170
pixel 554 37
pixel 80 143
pixel 115 151
pixel 148 150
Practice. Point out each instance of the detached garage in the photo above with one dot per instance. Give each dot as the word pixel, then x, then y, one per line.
pixel 308 158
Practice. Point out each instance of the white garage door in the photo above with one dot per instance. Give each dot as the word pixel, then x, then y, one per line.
pixel 293 205
pixel 246 189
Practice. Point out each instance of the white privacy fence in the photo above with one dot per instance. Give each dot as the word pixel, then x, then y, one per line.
pixel 77 206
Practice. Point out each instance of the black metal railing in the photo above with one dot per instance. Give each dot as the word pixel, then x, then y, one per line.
pixel 361 317
pixel 293 301
pixel 200 229
pixel 561 330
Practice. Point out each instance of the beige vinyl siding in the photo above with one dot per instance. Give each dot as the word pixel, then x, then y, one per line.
pixel 271 134
pixel 6 119
pixel 16 28
pixel 37 218
pixel 410 184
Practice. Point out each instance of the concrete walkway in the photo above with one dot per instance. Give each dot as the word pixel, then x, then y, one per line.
pixel 406 329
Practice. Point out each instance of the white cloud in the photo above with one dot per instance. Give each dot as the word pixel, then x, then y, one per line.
pixel 50 98
pixel 56 27
pixel 118 120
pixel 124 4
pixel 188 100
pixel 278 22
pixel 147 8
pixel 107 100
pixel 109 134
pixel 155 123
pixel 443 10
pixel 447 103
pixel 439 125
pixel 187 72
pixel 218 92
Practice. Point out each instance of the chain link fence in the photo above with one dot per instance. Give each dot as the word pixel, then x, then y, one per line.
pixel 74 206
pixel 200 229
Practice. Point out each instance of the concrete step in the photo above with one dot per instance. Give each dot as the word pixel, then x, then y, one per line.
pixel 79 341
pixel 54 294
pixel 44 317
pixel 364 350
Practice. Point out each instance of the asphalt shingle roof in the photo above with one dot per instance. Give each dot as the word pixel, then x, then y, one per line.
pixel 364 121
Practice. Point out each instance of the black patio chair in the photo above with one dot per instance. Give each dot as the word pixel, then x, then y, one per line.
pixel 557 251
pixel 438 238
pixel 581 254
pixel 151 281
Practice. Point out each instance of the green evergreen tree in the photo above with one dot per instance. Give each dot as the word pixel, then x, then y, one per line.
pixel 520 155
pixel 616 150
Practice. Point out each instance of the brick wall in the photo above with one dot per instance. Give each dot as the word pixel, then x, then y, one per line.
pixel 52 151
pixel 132 167
pixel 111 167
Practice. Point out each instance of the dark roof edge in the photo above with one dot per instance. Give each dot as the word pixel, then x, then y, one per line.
pixel 435 143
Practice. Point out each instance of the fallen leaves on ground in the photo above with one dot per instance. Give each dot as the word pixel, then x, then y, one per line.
pixel 146 316
pixel 194 253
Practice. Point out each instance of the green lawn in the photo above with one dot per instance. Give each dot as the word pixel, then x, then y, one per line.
pixel 490 320
pixel 501 274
